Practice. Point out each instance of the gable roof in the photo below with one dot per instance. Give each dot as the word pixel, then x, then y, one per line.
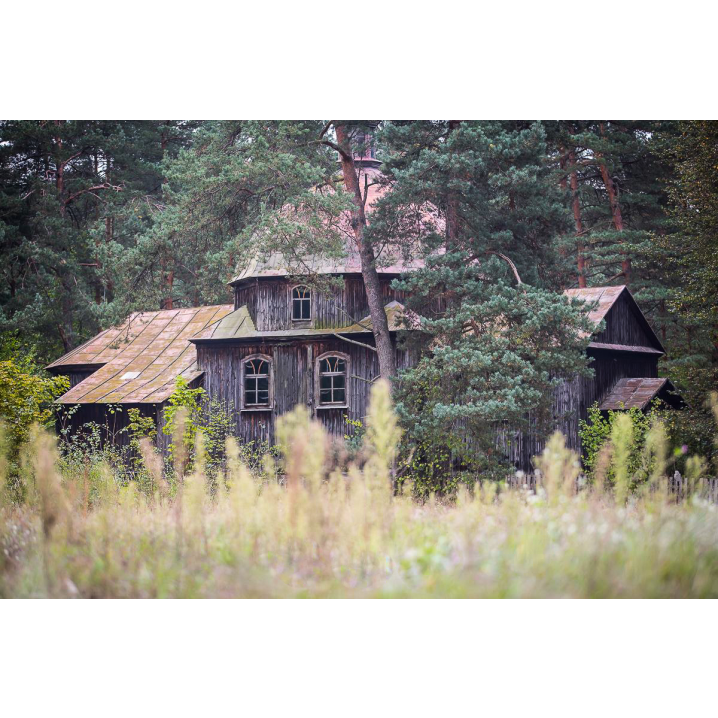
pixel 603 300
pixel 639 393
pixel 142 367
pixel 239 325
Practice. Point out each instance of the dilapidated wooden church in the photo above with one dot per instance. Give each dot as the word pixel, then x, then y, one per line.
pixel 283 343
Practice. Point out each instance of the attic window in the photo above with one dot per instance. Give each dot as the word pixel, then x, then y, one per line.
pixel 129 375
pixel 256 372
pixel 332 376
pixel 301 304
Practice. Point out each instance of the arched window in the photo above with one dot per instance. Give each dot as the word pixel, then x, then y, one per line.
pixel 257 382
pixel 301 303
pixel 332 380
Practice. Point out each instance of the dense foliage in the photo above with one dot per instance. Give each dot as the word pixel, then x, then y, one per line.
pixel 495 335
pixel 26 396
pixel 101 217
pixel 596 436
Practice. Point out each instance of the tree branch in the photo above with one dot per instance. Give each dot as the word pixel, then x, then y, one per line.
pixel 510 263
pixel 337 148
pixel 353 341
pixel 106 185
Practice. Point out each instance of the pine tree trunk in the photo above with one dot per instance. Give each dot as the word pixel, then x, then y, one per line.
pixel 576 205
pixel 372 285
pixel 615 207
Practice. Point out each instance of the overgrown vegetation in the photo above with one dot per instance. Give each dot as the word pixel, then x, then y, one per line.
pixel 596 434
pixel 321 532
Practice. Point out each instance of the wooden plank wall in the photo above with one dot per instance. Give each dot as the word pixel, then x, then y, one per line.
pixel 294 363
pixel 269 303
pixel 623 326
pixel 76 377
pixel 112 424
pixel 572 399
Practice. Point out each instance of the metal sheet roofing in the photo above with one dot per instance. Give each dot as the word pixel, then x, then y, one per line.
pixel 239 325
pixel 106 345
pixel 603 298
pixel 143 368
pixel 638 393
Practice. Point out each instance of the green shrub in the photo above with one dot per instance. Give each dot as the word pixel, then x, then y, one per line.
pixel 596 434
pixel 26 396
pixel 191 401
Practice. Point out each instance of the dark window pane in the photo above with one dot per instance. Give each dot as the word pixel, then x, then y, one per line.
pixel 339 395
pixel 338 382
pixel 325 382
pixel 324 365
pixel 301 303
pixel 255 366
pixel 341 365
pixel 325 396
pixel 263 383
pixel 263 397
pixel 250 397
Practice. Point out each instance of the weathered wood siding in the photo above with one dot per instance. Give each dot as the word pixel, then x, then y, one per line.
pixel 112 424
pixel 113 420
pixel 294 371
pixel 269 303
pixel 572 399
pixel 624 325
pixel 294 362
pixel 74 375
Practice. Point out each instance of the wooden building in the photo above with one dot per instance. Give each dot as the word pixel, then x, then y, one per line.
pixel 133 365
pixel 624 352
pixel 283 343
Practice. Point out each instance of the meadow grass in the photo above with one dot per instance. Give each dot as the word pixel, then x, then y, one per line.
pixel 326 532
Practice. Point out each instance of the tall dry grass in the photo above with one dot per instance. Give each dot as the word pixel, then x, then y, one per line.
pixel 326 532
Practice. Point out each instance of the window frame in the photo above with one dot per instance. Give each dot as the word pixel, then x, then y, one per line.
pixel 292 300
pixel 269 406
pixel 317 380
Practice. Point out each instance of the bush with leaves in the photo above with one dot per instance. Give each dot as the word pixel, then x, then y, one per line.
pixel 26 396
pixel 191 401
pixel 217 426
pixel 596 436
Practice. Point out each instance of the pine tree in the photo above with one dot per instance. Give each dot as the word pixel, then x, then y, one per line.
pixel 616 185
pixel 693 270
pixel 74 195
pixel 480 202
